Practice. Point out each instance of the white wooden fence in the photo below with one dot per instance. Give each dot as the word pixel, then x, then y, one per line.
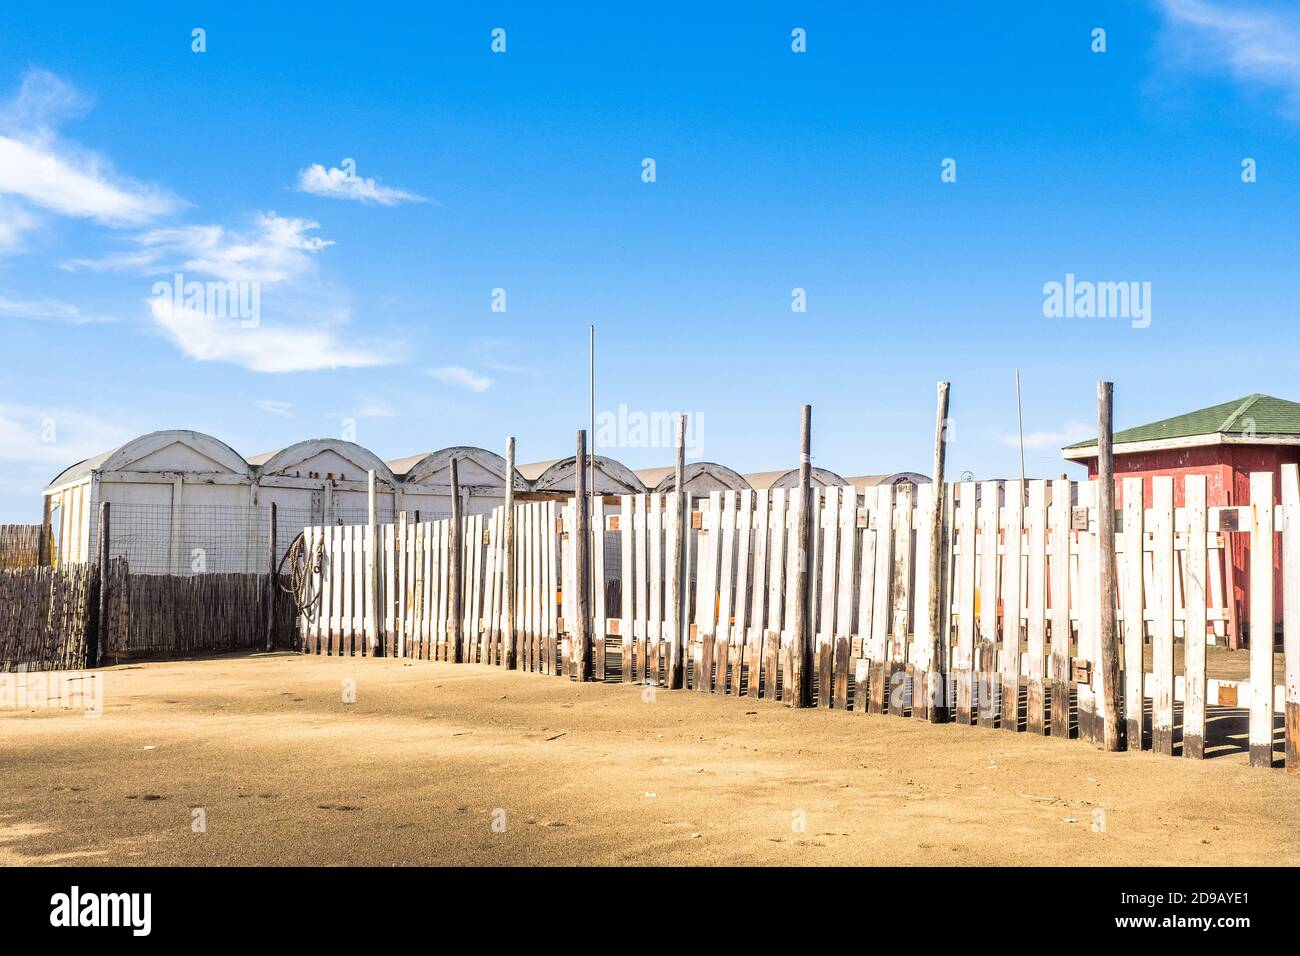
pixel 1019 628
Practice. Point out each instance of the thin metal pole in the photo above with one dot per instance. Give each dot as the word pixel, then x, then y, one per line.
pixel 581 626
pixel 376 643
pixel 1020 427
pixel 591 452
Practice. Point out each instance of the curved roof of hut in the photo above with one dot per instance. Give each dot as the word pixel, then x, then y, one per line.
pixel 532 470
pixel 701 477
pixel 821 478
pixel 612 477
pixel 172 449
pixel 475 467
pixel 862 482
pixel 287 459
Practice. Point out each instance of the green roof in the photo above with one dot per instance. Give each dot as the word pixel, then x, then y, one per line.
pixel 1254 414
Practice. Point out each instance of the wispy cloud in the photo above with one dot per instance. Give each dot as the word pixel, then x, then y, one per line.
pixel 374 408
pixel 513 369
pixel 15 222
pixel 276 249
pixel 49 310
pixel 1257 43
pixel 495 353
pixel 1071 432
pixel 39 170
pixel 54 436
pixel 335 183
pixel 462 377
pixel 274 407
pixel 264 348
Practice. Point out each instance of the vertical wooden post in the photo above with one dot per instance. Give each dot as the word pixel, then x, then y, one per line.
pixel 271 584
pixel 676 667
pixel 98 645
pixel 1260 635
pixel 1161 602
pixel 456 571
pixel 1291 614
pixel 1134 615
pixel 44 554
pixel 1194 614
pixel 377 648
pixel 508 638
pixel 801 658
pixel 935 692
pixel 1108 628
pixel 581 627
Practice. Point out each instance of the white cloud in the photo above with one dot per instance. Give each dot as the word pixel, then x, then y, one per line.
pixel 263 348
pixel 1257 43
pixel 51 310
pixel 513 369
pixel 44 171
pixel 277 249
pixel 335 183
pixel 462 377
pixel 283 409
pixel 15 223
pixel 1072 432
pixel 374 408
pixel 54 437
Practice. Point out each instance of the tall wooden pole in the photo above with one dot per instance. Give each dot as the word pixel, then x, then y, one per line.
pixel 98 645
pixel 376 648
pixel 508 637
pixel 456 570
pixel 681 631
pixel 935 693
pixel 582 562
pixel 801 658
pixel 44 553
pixel 271 583
pixel 1113 730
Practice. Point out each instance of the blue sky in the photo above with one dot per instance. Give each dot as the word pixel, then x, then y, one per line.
pixel 126 158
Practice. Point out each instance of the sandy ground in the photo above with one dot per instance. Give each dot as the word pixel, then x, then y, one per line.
pixel 431 755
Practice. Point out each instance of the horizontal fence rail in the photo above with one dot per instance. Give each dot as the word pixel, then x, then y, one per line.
pixel 1019 624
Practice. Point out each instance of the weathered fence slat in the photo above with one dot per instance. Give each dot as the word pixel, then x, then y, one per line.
pixel 1162 629
pixel 1261 619
pixel 1133 599
pixel 966 566
pixel 758 594
pixel 1291 614
pixel 1059 571
pixel 1194 562
pixel 1013 543
pixel 1036 609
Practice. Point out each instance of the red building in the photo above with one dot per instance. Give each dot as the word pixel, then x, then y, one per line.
pixel 1224 442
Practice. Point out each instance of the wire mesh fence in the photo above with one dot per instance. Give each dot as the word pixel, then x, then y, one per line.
pixel 212 539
